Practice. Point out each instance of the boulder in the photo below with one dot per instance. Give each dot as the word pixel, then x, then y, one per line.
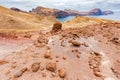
pixel 51 67
pixel 57 27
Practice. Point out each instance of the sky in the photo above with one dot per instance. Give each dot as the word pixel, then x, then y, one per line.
pixel 81 5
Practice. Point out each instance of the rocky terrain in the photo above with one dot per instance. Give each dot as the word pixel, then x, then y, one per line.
pixel 68 12
pixel 80 49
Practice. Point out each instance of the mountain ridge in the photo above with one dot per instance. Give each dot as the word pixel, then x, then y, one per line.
pixel 68 12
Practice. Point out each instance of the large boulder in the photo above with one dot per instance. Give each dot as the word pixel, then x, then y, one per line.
pixel 57 27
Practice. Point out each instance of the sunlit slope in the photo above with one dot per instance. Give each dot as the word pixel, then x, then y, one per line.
pixel 23 21
pixel 81 21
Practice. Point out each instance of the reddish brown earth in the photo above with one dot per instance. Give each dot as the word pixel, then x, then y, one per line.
pixel 85 53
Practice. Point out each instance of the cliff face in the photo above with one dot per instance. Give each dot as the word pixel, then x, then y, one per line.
pixel 68 12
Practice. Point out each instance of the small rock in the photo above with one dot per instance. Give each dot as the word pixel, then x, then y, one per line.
pixel 47 55
pixel 24 69
pixel 75 43
pixel 57 60
pixel 54 74
pixel 97 74
pixel 20 73
pixel 78 56
pixel 62 73
pixel 47 47
pixel 51 67
pixel 36 44
pixel 86 45
pixel 64 58
pixel 44 74
pixel 35 67
pixel 3 62
pixel 14 65
pixel 96 69
pixel 42 68
pixel 57 56
pixel 97 54
pixel 8 72
pixel 27 35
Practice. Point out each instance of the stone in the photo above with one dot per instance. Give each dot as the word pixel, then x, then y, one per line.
pixel 47 55
pixel 97 74
pixel 75 43
pixel 20 73
pixel 62 73
pixel 44 74
pixel 35 67
pixel 51 67
pixel 3 62
pixel 57 27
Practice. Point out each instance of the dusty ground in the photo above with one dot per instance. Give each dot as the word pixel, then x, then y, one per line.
pixel 82 53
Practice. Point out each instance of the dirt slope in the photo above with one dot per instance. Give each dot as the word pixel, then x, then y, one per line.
pixel 10 19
